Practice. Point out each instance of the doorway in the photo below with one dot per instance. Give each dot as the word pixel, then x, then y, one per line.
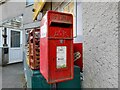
pixel 15 45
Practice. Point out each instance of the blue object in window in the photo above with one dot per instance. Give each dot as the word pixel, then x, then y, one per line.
pixel 29 2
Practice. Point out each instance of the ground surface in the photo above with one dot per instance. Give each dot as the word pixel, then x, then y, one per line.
pixel 13 76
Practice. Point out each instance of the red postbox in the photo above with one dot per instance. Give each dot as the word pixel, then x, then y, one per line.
pixel 56 46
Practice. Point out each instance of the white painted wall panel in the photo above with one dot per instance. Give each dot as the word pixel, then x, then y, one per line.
pixel 0 45
pixel 1 41
pixel 0 56
pixel 79 38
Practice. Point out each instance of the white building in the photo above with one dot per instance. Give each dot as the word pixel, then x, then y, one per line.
pixel 16 17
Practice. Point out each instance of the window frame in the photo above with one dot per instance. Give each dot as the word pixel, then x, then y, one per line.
pixel 75 15
pixel 28 3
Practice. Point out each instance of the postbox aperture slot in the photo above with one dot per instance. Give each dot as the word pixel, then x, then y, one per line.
pixel 60 24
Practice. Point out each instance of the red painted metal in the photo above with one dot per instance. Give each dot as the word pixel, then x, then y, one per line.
pixel 56 37
pixel 78 48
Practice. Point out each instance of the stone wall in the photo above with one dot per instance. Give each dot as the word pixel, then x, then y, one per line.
pixel 100 31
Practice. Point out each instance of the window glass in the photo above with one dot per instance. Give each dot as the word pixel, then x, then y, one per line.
pixel 70 7
pixel 27 38
pixel 29 2
pixel 15 39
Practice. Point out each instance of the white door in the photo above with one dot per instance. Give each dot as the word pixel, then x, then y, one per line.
pixel 15 45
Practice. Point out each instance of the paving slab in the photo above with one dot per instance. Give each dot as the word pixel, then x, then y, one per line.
pixel 13 76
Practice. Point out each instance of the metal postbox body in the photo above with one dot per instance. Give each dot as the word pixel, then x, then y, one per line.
pixel 56 46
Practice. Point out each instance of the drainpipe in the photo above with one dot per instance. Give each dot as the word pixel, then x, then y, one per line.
pixel 5 49
pixel 5 37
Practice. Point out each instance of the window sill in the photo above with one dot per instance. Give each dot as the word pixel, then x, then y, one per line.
pixel 29 5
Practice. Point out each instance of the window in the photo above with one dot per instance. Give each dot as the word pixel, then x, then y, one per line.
pixel 70 7
pixel 26 38
pixel 29 2
pixel 15 39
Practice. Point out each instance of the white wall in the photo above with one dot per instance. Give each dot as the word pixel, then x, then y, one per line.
pixel 1 42
pixel 0 56
pixel 1 45
pixel 12 9
pixel 0 15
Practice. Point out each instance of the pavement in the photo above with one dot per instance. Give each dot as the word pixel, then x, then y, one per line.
pixel 13 76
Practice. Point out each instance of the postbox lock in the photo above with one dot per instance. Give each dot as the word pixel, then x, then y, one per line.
pixel 61 41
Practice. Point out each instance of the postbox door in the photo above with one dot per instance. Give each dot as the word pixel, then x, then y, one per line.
pixel 61 60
